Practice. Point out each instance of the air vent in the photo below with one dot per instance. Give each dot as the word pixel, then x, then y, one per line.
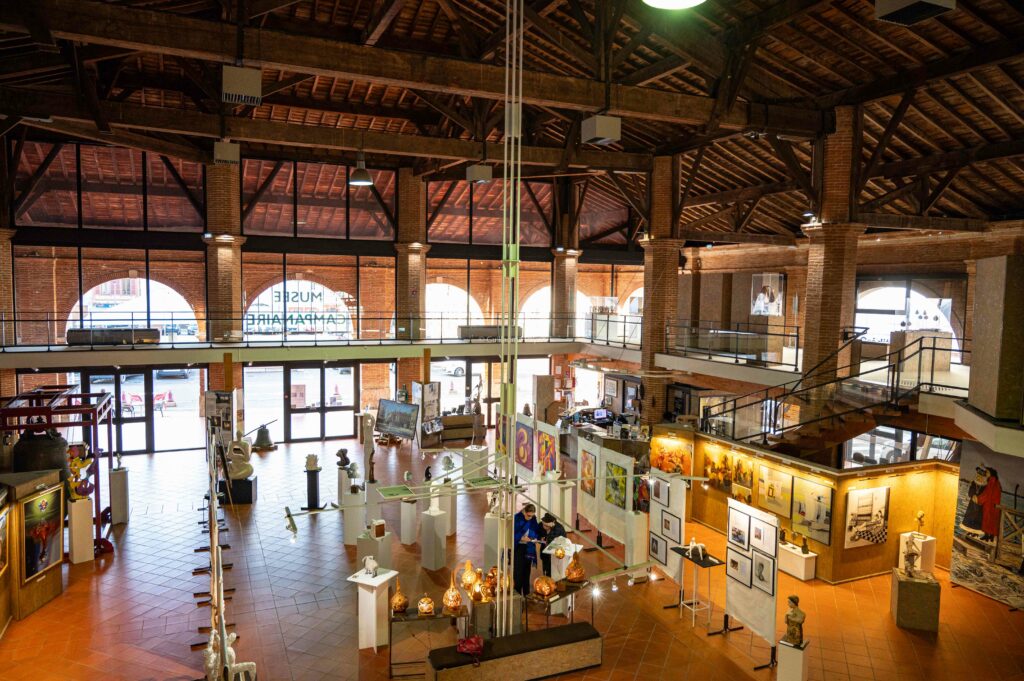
pixel 226 152
pixel 241 86
pixel 601 130
pixel 909 12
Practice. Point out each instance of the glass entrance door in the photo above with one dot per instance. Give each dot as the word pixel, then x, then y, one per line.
pixel 133 400
pixel 321 401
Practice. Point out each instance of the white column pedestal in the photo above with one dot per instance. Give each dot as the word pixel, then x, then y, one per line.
pixel 80 531
pixel 373 607
pixel 793 662
pixel 344 484
pixel 636 544
pixel 433 539
pixel 354 524
pixel 372 501
pixel 561 502
pixel 926 545
pixel 493 525
pixel 407 527
pixel 447 502
pixel 378 547
pixel 118 496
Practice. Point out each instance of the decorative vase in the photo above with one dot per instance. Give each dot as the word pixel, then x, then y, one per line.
pixel 425 606
pixel 574 571
pixel 452 599
pixel 491 581
pixel 469 577
pixel 559 553
pixel 544 586
pixel 399 602
pixel 804 548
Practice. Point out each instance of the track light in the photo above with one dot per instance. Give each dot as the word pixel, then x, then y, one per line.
pixel 360 177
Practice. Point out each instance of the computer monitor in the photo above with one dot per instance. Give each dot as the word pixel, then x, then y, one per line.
pixel 600 414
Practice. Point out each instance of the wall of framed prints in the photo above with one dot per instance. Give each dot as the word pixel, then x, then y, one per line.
pixel 751 570
pixel 852 519
pixel 605 491
pixel 667 521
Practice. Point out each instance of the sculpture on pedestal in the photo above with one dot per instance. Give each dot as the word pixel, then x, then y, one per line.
pixel 312 462
pixel 79 465
pixel 452 599
pixel 794 622
pixel 695 551
pixel 370 566
pixel 343 460
pixel 238 457
pixel 910 555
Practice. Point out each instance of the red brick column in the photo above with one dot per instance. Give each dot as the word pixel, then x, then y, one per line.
pixel 223 252
pixel 6 287
pixel 563 293
pixel 796 297
pixel 831 293
pixel 661 297
pixel 968 337
pixel 411 258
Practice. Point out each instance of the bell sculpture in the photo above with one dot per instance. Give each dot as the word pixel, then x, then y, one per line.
pixel 574 571
pixel 263 442
pixel 399 601
pixel 452 599
pixel 425 606
pixel 468 578
pixel 544 586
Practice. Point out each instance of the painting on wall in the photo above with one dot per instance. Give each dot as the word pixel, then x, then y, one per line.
pixel 658 549
pixel 44 532
pixel 739 528
pixel 4 538
pixel 764 572
pixel 766 295
pixel 775 491
pixel 867 517
pixel 737 566
pixel 547 453
pixel 812 510
pixel 987 555
pixel 718 468
pixel 672 527
pixel 742 494
pixel 615 484
pixel 660 491
pixel 524 445
pixel 672 455
pixel 588 472
pixel 500 445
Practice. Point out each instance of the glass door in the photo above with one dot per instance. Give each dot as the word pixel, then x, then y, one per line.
pixel 176 420
pixel 265 398
pixel 305 395
pixel 321 401
pixel 133 399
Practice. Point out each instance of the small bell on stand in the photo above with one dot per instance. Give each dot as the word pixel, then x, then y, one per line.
pixel 263 442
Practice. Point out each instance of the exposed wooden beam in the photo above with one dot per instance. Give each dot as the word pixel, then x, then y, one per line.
pixel 281 85
pixel 557 37
pixel 125 138
pixel 741 194
pixel 432 218
pixel 635 203
pixel 381 20
pixel 544 215
pixel 729 83
pixel 258 8
pixel 890 221
pixel 35 20
pixel 709 218
pixel 784 151
pixel 446 110
pixel 736 237
pixel 688 188
pixel 744 216
pixel 594 238
pixel 199 206
pixel 8 124
pixel 34 179
pixel 189 37
pixel 654 71
pixel 951 159
pixel 778 14
pixel 890 196
pixel 262 189
pixel 883 142
pixel 938 190
pixel 496 40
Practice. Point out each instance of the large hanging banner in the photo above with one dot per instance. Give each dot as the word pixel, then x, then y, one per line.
pixel 667 513
pixel 547 449
pixel 615 493
pixel 751 583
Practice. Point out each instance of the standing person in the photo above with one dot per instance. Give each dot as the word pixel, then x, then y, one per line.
pixel 989 500
pixel 973 512
pixel 551 530
pixel 525 533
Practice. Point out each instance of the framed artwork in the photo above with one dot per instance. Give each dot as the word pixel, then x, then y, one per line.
pixel 775 491
pixel 588 471
pixel 547 453
pixel 524 445
pixel 500 444
pixel 672 527
pixel 611 388
pixel 43 517
pixel 393 418
pixel 764 537
pixel 660 491
pixel 4 539
pixel 615 484
pixel 672 455
pixel 658 549
pixel 812 510
pixel 742 494
pixel 739 528
pixel 764 573
pixel 766 295
pixel 867 517
pixel 738 566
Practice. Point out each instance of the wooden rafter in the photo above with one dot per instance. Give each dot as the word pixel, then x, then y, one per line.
pixel 261 190
pixel 381 20
pixel 197 204
pixel 33 181
pixel 544 215
pixel 737 237
pixel 883 142
pixel 635 202
pixel 784 150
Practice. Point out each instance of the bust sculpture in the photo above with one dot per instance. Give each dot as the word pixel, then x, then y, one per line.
pixel 920 522
pixel 794 622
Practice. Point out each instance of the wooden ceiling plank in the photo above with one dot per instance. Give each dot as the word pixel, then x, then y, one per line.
pixel 381 20
pixel 890 129
pixel 737 237
pixel 890 221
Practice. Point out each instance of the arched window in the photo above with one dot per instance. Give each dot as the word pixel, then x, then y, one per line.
pixel 632 309
pixel 535 314
pixel 302 309
pixel 449 307
pixel 885 309
pixel 134 302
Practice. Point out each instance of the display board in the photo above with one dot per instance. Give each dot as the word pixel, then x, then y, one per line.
pixel 586 497
pixel 667 518
pixel 547 449
pixel 751 568
pixel 614 493
pixel 397 418
pixel 523 446
pixel 428 396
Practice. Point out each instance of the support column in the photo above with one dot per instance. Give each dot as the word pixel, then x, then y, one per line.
pixel 689 287
pixel 968 334
pixel 223 252
pixel 796 297
pixel 997 372
pixel 411 257
pixel 563 293
pixel 6 287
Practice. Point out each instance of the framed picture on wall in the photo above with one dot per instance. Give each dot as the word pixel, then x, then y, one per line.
pixel 672 527
pixel 658 549
pixel 43 517
pixel 660 490
pixel 867 517
pixel 739 528
pixel 812 510
pixel 611 388
pixel 775 491
pixel 764 537
pixel 764 573
pixel 738 566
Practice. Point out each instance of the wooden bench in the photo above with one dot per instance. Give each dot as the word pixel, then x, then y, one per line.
pixel 530 655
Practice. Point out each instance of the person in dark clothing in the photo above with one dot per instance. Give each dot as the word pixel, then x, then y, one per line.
pixel 551 530
pixel 525 531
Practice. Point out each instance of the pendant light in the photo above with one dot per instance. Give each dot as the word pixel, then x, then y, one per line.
pixel 360 177
pixel 673 4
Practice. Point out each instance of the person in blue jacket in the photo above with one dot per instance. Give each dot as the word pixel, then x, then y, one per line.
pixel 526 530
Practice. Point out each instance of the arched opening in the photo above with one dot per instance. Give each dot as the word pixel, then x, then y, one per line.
pixel 535 314
pixel 885 309
pixel 300 309
pixel 449 307
pixel 126 303
pixel 631 309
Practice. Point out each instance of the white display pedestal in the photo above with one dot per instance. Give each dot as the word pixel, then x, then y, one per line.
pixel 793 662
pixel 378 547
pixel 474 461
pixel 926 545
pixel 433 539
pixel 372 501
pixel 373 607
pixel 492 529
pixel 558 566
pixel 118 496
pixel 447 503
pixel 636 544
pixel 795 562
pixel 407 526
pixel 80 529
pixel 344 485
pixel 353 524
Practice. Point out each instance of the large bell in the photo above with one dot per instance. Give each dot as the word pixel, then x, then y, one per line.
pixel 263 442
pixel 40 452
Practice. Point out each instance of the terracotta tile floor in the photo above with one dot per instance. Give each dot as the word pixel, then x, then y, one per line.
pixel 132 616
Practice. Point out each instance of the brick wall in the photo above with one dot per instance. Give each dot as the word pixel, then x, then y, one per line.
pixel 6 285
pixel 563 295
pixel 223 207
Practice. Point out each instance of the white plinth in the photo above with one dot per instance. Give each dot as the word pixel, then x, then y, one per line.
pixel 474 461
pixel 792 662
pixel 558 566
pixel 373 607
pixel 926 545
pixel 636 544
pixel 80 530
pixel 433 539
pixel 794 562
pixel 344 484
pixel 372 501
pixel 407 526
pixel 119 496
pixel 447 503
pixel 378 547
pixel 492 529
pixel 561 501
pixel 353 524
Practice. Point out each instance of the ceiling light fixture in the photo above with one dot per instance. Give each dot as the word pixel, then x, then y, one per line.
pixel 673 4
pixel 360 177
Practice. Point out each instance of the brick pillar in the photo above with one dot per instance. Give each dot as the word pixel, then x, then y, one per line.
pixel 831 293
pixel 689 287
pixel 6 287
pixel 563 293
pixel 997 371
pixel 968 335
pixel 223 252
pixel 411 258
pixel 796 298
pixel 836 184
pixel 409 369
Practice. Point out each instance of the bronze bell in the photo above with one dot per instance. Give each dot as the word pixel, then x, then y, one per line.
pixel 263 441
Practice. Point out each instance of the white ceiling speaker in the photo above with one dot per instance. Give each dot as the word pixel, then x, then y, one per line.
pixel 479 173
pixel 908 12
pixel 601 130
pixel 241 86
